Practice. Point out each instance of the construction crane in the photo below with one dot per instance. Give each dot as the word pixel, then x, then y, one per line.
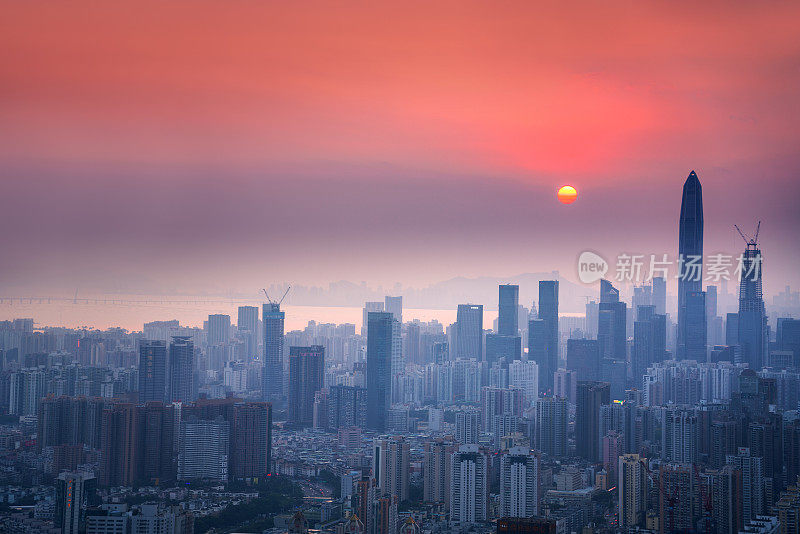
pixel 278 303
pixel 749 242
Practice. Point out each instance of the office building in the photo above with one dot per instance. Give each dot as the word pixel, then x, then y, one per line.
pixel 752 321
pixel 379 368
pixel 583 357
pixel 273 319
pixel 394 305
pixel 690 253
pixel 649 342
pixel 152 370
pixel 306 374
pixel 548 312
pixel 508 310
pixel 181 370
pixel 695 327
pixel 499 347
pixel 591 395
pixel 247 327
pixel 469 332
pixel 74 491
pixel 219 329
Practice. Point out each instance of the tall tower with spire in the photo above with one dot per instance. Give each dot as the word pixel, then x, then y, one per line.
pixel 691 298
pixel 752 314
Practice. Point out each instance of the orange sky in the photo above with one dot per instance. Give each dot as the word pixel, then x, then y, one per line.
pixel 418 133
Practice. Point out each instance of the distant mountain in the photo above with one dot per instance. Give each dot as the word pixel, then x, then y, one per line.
pixel 443 295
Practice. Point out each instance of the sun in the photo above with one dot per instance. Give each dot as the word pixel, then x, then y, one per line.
pixel 567 194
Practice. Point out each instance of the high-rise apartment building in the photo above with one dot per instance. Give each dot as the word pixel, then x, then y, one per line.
pixel 467 426
pixel 519 483
pixel 204 449
pixel 436 468
pixel 632 490
pixel 552 417
pixel 469 491
pixel 391 467
pixel 251 441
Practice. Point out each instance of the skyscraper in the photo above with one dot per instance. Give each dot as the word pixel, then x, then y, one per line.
pixel 632 490
pixel 467 426
pixel 469 490
pixel 152 370
pixel 752 316
pixel 649 341
pixel 391 467
pixel 181 370
pixel 219 329
pixel 690 252
pixel 548 312
pixel 752 482
pixel 552 417
pixel 469 332
pixel 583 357
pixel 119 445
pixel 155 433
pixel 247 326
pixel 369 306
pixel 347 407
pixel 394 305
pixel 591 395
pixel 436 483
pixel 660 295
pixel 508 310
pixel 204 449
pixel 695 326
pixel 306 373
pixel 251 440
pixel 677 498
pixel 519 483
pixel 379 368
pixel 611 324
pixel 273 319
pixel 73 490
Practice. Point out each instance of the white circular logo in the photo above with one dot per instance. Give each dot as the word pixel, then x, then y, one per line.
pixel 591 267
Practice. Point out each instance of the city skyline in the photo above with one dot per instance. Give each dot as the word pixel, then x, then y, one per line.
pixel 430 267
